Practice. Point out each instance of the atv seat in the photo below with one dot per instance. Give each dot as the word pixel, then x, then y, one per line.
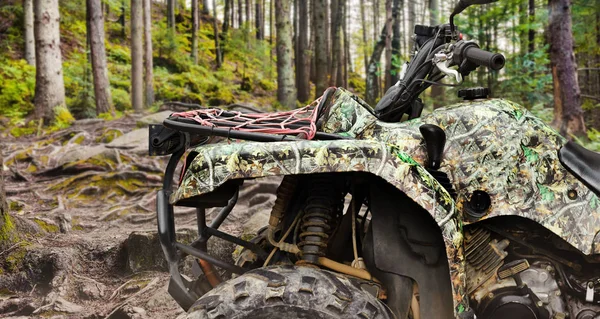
pixel 582 163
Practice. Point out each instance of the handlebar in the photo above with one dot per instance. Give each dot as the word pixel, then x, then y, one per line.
pixel 471 52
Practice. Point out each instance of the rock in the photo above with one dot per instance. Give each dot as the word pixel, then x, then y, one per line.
pixel 156 118
pixel 161 299
pixel 128 312
pixel 135 141
pixel 145 253
pixel 91 290
pixel 78 153
pixel 62 305
pixel 79 138
pixel 64 222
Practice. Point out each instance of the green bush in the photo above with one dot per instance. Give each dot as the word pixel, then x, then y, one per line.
pixel 17 88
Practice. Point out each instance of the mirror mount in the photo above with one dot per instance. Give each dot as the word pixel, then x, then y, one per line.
pixel 461 6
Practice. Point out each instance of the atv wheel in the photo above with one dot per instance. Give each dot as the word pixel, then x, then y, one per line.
pixel 291 293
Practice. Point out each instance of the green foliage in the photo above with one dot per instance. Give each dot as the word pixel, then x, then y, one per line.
pixel 62 118
pixel 357 83
pixel 17 88
pixel 594 140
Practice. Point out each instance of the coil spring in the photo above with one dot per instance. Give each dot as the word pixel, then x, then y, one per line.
pixel 319 213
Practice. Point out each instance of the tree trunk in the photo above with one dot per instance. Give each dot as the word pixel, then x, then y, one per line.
pixel 49 82
pixel 531 47
pixel 568 113
pixel 411 24
pixel 137 61
pixel 336 47
pixel 148 58
pixel 376 7
pixel 170 15
pixel 29 38
pixel 395 71
pixel 320 25
pixel 218 52
pixel 6 225
pixel 258 16
pixel 98 53
pixel 240 15
pixel 195 20
pixel 226 15
pixel 437 91
pixel 313 63
pixel 205 10
pixel 523 13
pixel 347 61
pixel 286 92
pixel 122 19
pixel 302 76
pixel 372 90
pixel 364 35
pixel 388 44
pixel 248 13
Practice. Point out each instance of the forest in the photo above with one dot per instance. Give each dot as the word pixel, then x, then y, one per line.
pixel 119 56
pixel 82 82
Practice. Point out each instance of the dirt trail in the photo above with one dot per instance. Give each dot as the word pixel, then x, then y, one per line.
pixel 90 192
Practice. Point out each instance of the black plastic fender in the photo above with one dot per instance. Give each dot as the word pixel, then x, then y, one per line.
pixel 405 242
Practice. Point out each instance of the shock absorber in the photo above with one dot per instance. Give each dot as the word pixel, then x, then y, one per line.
pixel 322 204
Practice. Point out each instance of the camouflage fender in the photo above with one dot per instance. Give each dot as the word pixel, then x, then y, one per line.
pixel 218 163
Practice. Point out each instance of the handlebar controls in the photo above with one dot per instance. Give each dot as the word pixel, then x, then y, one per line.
pixel 494 61
pixel 470 52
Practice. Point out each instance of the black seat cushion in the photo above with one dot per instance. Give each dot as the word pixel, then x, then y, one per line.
pixel 582 163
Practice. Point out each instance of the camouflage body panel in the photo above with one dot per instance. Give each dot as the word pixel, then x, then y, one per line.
pixel 498 147
pixel 492 145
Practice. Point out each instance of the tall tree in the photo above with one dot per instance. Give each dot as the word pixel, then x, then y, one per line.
pixel 49 82
pixel 364 35
pixel 137 60
pixel 286 91
pixel 240 15
pixel 336 45
pixel 388 43
pixel 373 87
pixel 411 23
pixel 226 15
pixel 320 25
pixel 347 57
pixel 170 15
pixel 531 46
pixel 218 53
pixel 205 10
pixel 122 19
pixel 568 115
pixel 95 25
pixel 6 224
pixel 437 91
pixel 258 20
pixel 376 8
pixel 195 21
pixel 395 70
pixel 342 69
pixel 148 58
pixel 302 66
pixel 29 38
pixel 248 14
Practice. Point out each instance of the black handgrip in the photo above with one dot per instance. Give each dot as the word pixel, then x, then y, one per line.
pixel 494 61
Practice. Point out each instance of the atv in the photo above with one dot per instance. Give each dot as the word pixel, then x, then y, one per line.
pixel 477 210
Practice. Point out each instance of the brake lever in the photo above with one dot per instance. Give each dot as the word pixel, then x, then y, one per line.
pixel 442 62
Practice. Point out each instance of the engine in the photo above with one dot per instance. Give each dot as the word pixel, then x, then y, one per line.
pixel 501 285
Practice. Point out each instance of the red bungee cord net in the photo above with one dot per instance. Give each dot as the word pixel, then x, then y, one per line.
pixel 300 122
